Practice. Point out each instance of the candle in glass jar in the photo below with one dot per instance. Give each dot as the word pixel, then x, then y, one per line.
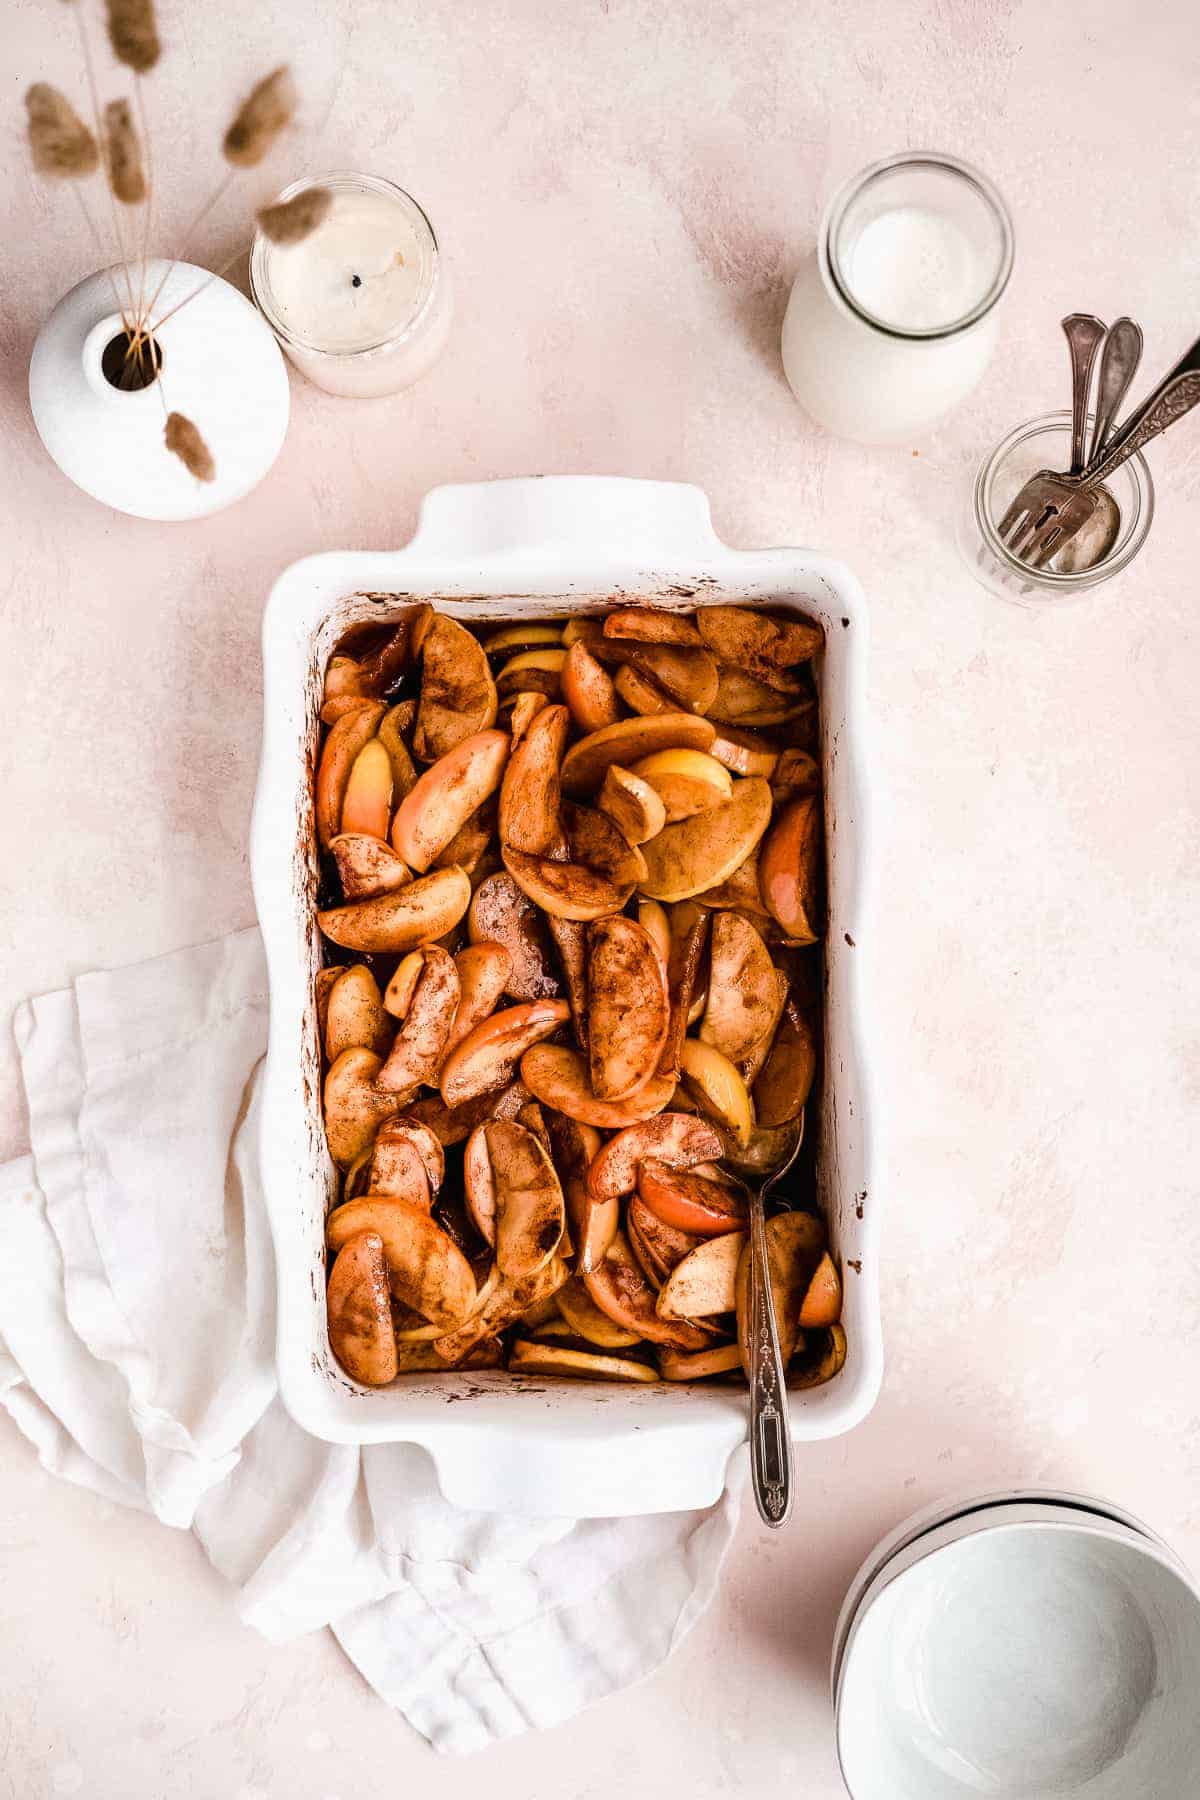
pixel 361 305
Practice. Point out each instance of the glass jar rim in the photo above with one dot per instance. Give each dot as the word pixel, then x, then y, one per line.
pixel 344 181
pixel 836 210
pixel 1054 580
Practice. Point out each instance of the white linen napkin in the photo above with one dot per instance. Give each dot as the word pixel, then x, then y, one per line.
pixel 137 1355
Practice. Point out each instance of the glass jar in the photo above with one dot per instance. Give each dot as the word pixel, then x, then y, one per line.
pixel 892 320
pixel 1045 443
pixel 362 304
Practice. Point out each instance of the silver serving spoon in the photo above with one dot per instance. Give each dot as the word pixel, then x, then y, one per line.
pixel 770 1430
pixel 1084 333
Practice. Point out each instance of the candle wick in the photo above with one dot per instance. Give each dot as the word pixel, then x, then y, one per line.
pixel 356 281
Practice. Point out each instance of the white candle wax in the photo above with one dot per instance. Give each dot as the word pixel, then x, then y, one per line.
pixel 361 305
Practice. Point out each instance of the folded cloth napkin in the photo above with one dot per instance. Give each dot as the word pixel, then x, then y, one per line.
pixel 137 1355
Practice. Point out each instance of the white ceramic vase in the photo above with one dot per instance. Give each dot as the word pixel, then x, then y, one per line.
pixel 221 368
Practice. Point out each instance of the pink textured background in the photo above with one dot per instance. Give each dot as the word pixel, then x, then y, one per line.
pixel 624 190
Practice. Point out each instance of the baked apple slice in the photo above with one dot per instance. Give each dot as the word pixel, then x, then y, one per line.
pixel 699 1365
pixel 425 1269
pixel 704 1284
pixel 818 1359
pixel 458 695
pixel 366 866
pixel 367 803
pixel 628 1006
pixel 586 762
pixel 529 1211
pixel 354 1107
pixel 338 755
pixel 632 804
pixel 651 625
pixel 621 1291
pixel 686 858
pixel 507 1302
pixel 502 914
pixel 686 1200
pixel 789 869
pixel 355 1015
pixel 437 807
pixel 558 1077
pixel 686 781
pixel 483 971
pixel 528 1357
pixel 415 914
pixel 756 641
pixel 782 1087
pixel 743 997
pixel 592 1222
pixel 359 1310
pixel 487 1058
pixel 420 1045
pixel 585 1319
pixel 677 1139
pixel 588 690
pixel 530 794
pixel 717 1086
pixel 822 1303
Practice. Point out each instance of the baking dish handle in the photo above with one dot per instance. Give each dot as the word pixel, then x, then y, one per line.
pixel 601 513
pixel 587 1467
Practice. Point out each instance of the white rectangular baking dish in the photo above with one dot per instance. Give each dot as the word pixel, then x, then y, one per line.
pixel 490 551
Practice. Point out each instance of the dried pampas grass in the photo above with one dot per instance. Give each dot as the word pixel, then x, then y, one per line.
pixel 265 112
pixel 123 152
pixel 184 441
pixel 291 221
pixel 62 145
pixel 133 33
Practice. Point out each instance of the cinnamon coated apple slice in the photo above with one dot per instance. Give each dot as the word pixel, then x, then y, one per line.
pixel 691 1202
pixel 585 1319
pixel 458 695
pixel 818 1359
pixel 338 755
pixel 716 1084
pixel 756 641
pixel 367 866
pixel 592 1222
pixel 359 1310
pixel 621 1291
pixel 651 625
pixel 483 970
pixel 420 1044
pixel 441 801
pixel 528 1357
pixel 632 804
pixel 704 1283
pixel 686 858
pixel 501 914
pixel 789 869
pixel 508 1302
pixel 558 1077
pixel 529 1211
pixel 487 1058
pixel 416 914
pixel 783 1085
pixel 678 1365
pixel 822 1303
pixel 355 1015
pixel 530 794
pixel 677 1139
pixel 628 1006
pixel 354 1106
pixel 585 763
pixel 426 1270
pixel 743 997
pixel 588 690
pixel 367 804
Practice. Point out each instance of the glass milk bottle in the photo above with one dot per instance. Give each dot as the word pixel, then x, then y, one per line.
pixel 892 321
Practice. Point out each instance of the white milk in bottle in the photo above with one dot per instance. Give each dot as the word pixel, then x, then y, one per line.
pixel 892 320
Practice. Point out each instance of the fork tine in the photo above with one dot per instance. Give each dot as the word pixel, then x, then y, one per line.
pixel 1018 510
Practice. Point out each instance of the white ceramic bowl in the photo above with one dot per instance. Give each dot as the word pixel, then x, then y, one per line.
pixel 1023 1652
pixel 1036 1503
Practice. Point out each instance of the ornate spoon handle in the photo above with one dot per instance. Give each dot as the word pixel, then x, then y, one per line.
pixel 1176 394
pixel 770 1433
